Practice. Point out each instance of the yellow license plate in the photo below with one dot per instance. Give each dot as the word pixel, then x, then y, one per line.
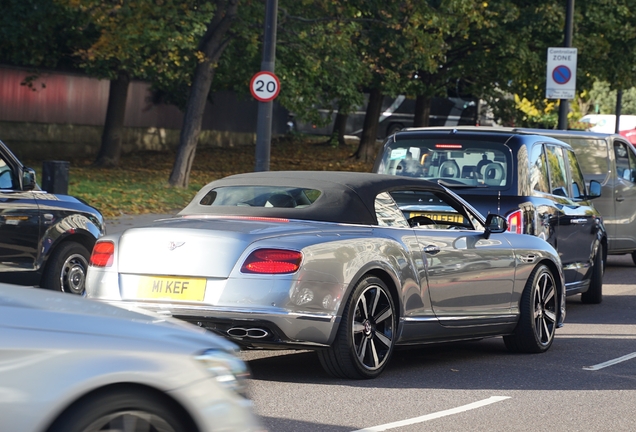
pixel 441 217
pixel 171 288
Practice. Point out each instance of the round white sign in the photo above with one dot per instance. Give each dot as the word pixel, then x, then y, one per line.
pixel 264 86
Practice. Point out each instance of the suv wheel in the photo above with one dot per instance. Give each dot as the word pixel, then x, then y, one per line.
pixel 66 269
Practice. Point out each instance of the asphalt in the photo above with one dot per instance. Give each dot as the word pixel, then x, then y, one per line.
pixel 119 224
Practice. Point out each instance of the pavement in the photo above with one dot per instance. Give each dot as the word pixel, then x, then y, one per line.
pixel 119 224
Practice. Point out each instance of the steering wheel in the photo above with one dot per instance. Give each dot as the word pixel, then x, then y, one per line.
pixel 416 221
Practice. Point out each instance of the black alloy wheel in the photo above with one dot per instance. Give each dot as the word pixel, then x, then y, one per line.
pixel 538 314
pixel 366 336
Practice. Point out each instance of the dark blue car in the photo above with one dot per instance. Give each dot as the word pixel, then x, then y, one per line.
pixel 533 180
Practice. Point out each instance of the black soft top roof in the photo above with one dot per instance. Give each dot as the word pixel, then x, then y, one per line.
pixel 346 197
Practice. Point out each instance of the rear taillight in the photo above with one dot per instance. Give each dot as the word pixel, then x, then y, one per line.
pixel 103 253
pixel 272 261
pixel 515 222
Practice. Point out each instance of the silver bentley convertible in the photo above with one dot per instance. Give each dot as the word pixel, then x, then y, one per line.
pixel 348 264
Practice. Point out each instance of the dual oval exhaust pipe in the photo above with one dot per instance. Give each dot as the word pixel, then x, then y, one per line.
pixel 249 333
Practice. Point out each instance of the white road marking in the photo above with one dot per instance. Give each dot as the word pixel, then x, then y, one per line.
pixel 611 362
pixel 436 415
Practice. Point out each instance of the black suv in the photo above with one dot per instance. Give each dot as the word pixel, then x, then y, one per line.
pixel 45 239
pixel 533 180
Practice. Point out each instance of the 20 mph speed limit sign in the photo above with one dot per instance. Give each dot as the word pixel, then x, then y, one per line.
pixel 264 86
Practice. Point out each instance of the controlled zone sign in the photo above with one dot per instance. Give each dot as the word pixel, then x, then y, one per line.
pixel 264 86
pixel 561 73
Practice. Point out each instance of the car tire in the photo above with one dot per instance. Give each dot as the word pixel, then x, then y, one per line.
pixel 366 335
pixel 109 410
pixel 594 294
pixel 634 257
pixel 538 311
pixel 66 269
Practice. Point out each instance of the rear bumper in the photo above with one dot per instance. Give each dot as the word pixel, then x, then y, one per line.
pixel 252 327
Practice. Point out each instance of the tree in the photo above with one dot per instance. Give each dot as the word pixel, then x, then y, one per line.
pixel 312 58
pixel 603 100
pixel 42 34
pixel 142 39
pixel 210 48
pixel 396 39
pixel 316 61
pixel 331 51
pixel 608 31
pixel 473 31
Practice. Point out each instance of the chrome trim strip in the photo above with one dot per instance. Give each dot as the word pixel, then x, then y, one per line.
pixel 480 317
pixel 459 318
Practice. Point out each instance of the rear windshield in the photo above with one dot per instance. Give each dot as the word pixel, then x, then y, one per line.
pixel 260 196
pixel 469 163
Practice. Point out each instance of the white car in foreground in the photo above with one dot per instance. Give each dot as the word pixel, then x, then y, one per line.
pixel 75 365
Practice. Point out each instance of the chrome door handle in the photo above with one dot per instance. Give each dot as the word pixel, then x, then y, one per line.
pixel 431 249
pixel 620 199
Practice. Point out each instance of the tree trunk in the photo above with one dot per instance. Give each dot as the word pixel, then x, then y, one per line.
pixel 212 45
pixel 339 129
pixel 367 149
pixel 422 111
pixel 110 149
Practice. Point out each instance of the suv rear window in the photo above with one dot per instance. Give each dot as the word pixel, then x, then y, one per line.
pixel 473 163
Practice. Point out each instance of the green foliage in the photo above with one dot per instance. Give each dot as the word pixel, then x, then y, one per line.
pixel 518 59
pixel 473 36
pixel 148 39
pixel 331 51
pixel 603 100
pixel 606 34
pixel 543 116
pixel 42 33
pixel 400 40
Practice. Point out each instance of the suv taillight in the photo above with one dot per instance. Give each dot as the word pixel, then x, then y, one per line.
pixel 272 261
pixel 515 222
pixel 103 254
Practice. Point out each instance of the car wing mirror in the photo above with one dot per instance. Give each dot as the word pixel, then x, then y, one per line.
pixel 595 189
pixel 495 224
pixel 28 179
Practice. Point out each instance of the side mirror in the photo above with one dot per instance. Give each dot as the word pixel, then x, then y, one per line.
pixel 595 189
pixel 28 179
pixel 495 224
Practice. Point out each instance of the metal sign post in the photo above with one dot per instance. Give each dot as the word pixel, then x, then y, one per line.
pixel 265 108
pixel 564 104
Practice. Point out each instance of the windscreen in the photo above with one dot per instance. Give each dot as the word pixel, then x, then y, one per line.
pixel 465 163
